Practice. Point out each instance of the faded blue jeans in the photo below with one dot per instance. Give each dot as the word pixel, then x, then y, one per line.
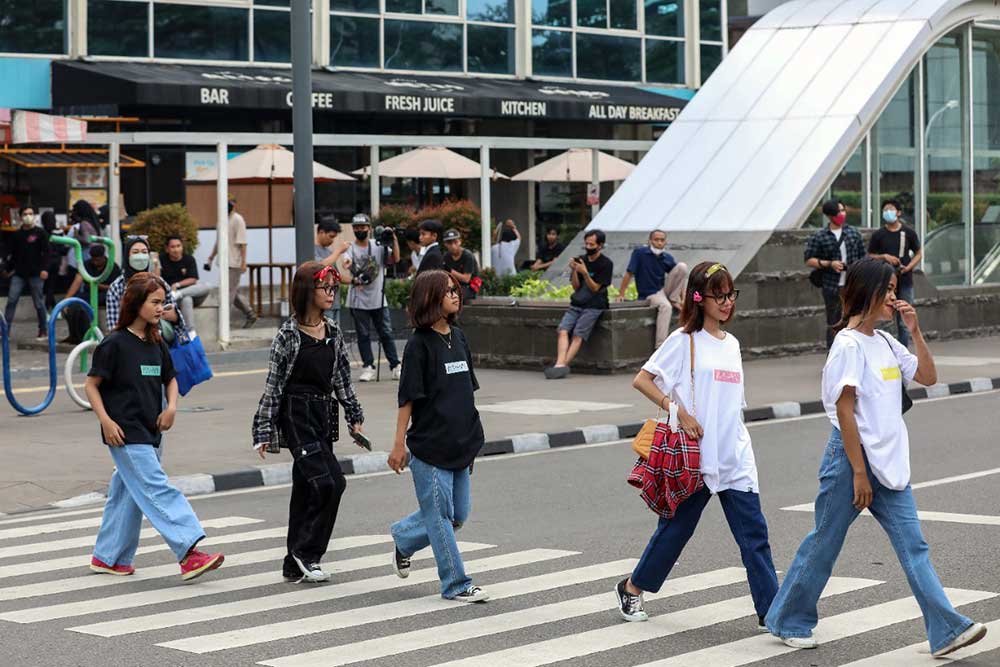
pixel 793 612
pixel 140 487
pixel 444 498
pixel 36 286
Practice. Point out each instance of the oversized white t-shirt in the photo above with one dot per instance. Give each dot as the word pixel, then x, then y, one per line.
pixel 727 460
pixel 503 255
pixel 875 366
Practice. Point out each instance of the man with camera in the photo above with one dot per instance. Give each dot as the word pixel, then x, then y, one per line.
pixel 366 297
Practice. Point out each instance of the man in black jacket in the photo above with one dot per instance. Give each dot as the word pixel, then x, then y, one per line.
pixel 431 232
pixel 29 256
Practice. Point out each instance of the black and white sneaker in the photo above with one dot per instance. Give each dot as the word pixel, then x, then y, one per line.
pixel 311 572
pixel 400 564
pixel 629 606
pixel 761 626
pixel 472 594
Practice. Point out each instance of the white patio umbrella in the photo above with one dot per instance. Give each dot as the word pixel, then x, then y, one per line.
pixel 428 162
pixel 576 165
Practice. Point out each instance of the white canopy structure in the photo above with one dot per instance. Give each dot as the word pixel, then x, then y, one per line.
pixel 428 162
pixel 577 165
pixel 270 163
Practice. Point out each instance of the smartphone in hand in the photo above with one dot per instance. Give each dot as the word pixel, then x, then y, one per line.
pixel 207 266
pixel 362 440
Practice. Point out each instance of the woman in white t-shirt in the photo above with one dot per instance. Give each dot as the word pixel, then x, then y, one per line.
pixel 713 415
pixel 867 464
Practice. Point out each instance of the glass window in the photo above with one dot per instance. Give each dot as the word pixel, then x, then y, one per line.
pixel 491 50
pixel 896 166
pixel 552 53
pixel 608 57
pixel 363 6
pixel 495 11
pixel 664 61
pixel 550 12
pixel 665 18
pixel 200 33
pixel 986 154
pixel 447 7
pixel 118 28
pixel 592 13
pixel 404 6
pixel 623 14
pixel 38 26
pixel 711 20
pixel 273 3
pixel 353 42
pixel 423 45
pixel 272 36
pixel 711 56
pixel 847 187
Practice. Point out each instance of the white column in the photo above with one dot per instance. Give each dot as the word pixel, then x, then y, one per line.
pixel 692 44
pixel 321 33
pixel 920 139
pixel 532 214
pixel 968 165
pixel 222 238
pixel 484 202
pixel 375 181
pixel 595 181
pixel 76 14
pixel 114 195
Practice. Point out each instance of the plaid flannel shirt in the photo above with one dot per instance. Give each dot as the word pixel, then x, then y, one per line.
pixel 672 472
pixel 284 350
pixel 823 245
pixel 114 304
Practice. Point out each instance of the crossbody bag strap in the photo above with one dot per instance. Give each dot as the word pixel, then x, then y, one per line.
pixel 693 408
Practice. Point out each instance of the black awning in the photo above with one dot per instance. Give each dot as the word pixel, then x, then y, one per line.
pixel 91 84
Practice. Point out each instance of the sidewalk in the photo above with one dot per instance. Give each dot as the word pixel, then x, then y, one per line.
pixel 58 455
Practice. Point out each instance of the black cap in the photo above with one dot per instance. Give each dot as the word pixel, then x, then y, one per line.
pixel 452 235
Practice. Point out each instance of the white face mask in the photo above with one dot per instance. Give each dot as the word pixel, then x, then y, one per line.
pixel 139 261
pixel 656 251
pixel 28 219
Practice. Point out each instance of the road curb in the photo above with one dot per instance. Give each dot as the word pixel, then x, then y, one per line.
pixel 281 473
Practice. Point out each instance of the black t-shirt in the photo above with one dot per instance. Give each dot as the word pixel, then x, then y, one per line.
pixel 30 252
pixel 312 371
pixel 884 242
pixel 601 270
pixel 432 259
pixel 102 295
pixel 445 430
pixel 547 254
pixel 133 373
pixel 466 263
pixel 173 272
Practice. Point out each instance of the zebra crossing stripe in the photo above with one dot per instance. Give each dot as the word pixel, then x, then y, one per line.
pixel 479 627
pixel 623 634
pixel 404 608
pixel 35 517
pixel 90 580
pixel 311 595
pixel 46 528
pixel 841 626
pixel 87 541
pixel 185 592
pixel 908 655
pixel 70 562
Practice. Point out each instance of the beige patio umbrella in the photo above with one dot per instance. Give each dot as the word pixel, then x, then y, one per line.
pixel 428 162
pixel 270 163
pixel 576 165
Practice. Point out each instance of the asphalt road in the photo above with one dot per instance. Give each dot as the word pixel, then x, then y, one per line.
pixel 564 518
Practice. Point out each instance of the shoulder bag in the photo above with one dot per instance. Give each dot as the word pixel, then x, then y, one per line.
pixel 644 439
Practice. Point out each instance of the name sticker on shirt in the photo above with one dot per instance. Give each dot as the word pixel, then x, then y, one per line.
pixel 149 371
pixel 891 373
pixel 456 367
pixel 732 377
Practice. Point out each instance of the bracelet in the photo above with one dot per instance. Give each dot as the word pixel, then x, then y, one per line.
pixel 665 398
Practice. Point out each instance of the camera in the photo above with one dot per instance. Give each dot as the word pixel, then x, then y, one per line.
pixel 384 236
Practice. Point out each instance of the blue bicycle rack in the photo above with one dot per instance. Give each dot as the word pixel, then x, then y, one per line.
pixel 53 371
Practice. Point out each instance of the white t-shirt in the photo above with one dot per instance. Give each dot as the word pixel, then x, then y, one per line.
pixel 237 238
pixel 503 255
pixel 727 460
pixel 843 254
pixel 874 366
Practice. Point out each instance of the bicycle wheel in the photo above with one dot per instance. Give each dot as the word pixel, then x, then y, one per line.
pixel 68 372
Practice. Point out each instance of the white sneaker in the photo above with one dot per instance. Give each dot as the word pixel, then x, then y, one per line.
pixel 311 572
pixel 397 372
pixel 973 634
pixel 367 374
pixel 800 642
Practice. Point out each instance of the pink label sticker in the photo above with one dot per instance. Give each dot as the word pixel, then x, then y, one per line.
pixel 733 377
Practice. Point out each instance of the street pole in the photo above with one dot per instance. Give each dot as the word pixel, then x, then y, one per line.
pixel 114 195
pixel 303 129
pixel 484 203
pixel 222 238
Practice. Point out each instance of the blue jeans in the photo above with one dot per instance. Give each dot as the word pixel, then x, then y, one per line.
pixel 746 521
pixel 902 333
pixel 379 320
pixel 444 499
pixel 37 288
pixel 139 487
pixel 793 613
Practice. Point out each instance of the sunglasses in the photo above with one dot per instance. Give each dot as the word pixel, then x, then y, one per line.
pixel 722 298
pixel 137 237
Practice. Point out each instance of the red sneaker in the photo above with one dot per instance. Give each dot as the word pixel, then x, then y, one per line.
pixel 101 567
pixel 197 563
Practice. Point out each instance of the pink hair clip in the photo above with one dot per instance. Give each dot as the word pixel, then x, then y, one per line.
pixel 696 297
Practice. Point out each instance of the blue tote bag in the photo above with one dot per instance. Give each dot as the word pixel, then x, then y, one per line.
pixel 190 362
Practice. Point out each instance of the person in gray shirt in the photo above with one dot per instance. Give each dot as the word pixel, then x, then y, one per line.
pixel 328 250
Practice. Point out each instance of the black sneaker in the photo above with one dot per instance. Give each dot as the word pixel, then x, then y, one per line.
pixel 472 594
pixel 250 321
pixel 629 606
pixel 761 626
pixel 310 571
pixel 400 564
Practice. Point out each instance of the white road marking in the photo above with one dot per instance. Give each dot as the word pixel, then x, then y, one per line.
pixel 915 655
pixel 45 516
pixel 948 517
pixel 46 528
pixel 549 407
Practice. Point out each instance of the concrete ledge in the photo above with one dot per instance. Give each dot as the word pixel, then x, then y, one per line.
pixel 600 433
pixel 530 442
pixel 786 410
pixel 195 485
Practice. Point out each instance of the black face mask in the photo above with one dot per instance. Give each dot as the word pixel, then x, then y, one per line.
pixel 591 251
pixel 361 236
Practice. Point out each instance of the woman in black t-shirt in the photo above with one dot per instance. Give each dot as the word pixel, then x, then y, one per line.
pixel 444 435
pixel 309 374
pixel 125 386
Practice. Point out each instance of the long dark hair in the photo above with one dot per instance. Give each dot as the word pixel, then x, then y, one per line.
pixel 429 290
pixel 137 290
pixel 303 285
pixel 867 283
pixel 704 281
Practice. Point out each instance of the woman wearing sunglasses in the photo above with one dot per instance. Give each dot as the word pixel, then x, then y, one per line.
pixel 710 411
pixel 309 374
pixel 439 424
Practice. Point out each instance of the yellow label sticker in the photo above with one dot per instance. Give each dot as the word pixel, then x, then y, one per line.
pixel 891 373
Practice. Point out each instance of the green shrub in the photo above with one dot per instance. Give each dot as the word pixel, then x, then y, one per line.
pixel 397 292
pixel 543 289
pixel 494 285
pixel 163 221
pixel 394 216
pixel 460 214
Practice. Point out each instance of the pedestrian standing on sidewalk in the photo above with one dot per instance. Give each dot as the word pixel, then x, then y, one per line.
pixel 431 258
pixel 898 244
pixel 506 243
pixel 439 424
pixel 309 373
pixel 867 464
pixel 237 264
pixel 179 270
pixel 658 278
pixel 710 411
pixel 28 262
pixel 831 250
pixel 137 260
pixel 131 369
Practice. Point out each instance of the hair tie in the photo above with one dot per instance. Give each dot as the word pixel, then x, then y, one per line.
pixel 696 297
